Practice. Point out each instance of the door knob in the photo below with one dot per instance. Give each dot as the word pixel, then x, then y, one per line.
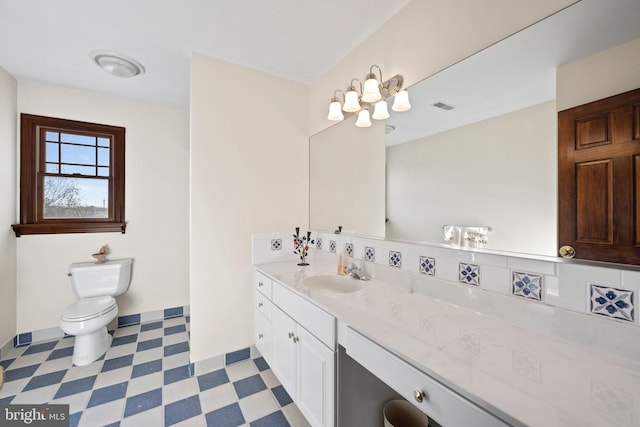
pixel 260 304
pixel 260 336
pixel 418 395
pixel 567 251
pixel 290 334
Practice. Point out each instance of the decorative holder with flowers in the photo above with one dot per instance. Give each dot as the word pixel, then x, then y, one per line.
pixel 301 245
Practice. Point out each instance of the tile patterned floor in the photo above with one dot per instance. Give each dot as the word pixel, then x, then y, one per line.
pixel 143 380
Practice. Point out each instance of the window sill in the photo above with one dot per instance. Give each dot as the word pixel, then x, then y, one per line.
pixel 64 228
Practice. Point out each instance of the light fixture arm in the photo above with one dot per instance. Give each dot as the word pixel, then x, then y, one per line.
pixel 335 97
pixel 352 87
pixel 371 75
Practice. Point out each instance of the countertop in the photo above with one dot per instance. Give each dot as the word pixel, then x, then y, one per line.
pixel 523 375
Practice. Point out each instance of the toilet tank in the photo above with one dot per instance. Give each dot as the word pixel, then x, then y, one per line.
pixel 89 279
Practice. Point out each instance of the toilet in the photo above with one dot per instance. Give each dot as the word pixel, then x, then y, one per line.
pixel 95 286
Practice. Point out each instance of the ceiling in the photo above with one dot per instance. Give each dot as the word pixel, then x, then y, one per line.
pixel 49 41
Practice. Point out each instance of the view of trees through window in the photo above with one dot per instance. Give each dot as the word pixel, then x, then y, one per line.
pixel 76 175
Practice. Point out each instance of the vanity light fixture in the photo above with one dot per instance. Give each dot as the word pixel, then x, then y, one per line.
pixel 374 94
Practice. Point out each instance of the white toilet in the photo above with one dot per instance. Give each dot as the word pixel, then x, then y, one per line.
pixel 95 285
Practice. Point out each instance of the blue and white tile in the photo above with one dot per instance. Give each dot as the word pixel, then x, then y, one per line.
pixel 150 417
pixel 218 397
pixel 613 303
pixel 427 265
pixel 104 414
pixel 348 249
pixel 395 259
pixel 574 279
pixel 527 285
pixel 258 405
pixel 469 274
pixel 333 246
pixel 369 254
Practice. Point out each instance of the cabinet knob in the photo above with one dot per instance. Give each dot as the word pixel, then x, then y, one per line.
pixel 260 304
pixel 260 336
pixel 567 252
pixel 418 395
pixel 290 334
pixel 296 339
pixel 260 284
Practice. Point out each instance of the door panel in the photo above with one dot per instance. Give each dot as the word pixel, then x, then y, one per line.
pixel 284 351
pixel 594 197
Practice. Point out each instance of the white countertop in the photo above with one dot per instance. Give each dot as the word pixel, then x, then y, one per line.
pixel 524 375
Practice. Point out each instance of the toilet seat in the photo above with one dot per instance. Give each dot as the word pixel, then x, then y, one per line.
pixel 88 308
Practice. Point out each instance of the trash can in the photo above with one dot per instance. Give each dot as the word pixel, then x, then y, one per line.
pixel 400 413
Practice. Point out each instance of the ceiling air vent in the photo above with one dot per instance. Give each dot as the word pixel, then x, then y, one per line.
pixel 443 106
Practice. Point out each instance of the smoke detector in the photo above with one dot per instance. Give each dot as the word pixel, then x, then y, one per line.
pixel 116 64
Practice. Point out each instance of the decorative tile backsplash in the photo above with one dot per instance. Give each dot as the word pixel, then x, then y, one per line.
pixel 348 248
pixel 612 302
pixel 369 254
pixel 527 285
pixel 276 244
pixel 395 259
pixel 469 274
pixel 602 292
pixel 427 265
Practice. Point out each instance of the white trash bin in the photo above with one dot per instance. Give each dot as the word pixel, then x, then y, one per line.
pixel 400 413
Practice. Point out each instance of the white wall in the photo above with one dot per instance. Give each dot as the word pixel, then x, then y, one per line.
pixel 157 209
pixel 249 174
pixel 346 178
pixel 598 76
pixel 499 172
pixel 425 37
pixel 8 128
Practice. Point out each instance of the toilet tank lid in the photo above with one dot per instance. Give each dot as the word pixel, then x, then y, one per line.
pixel 116 263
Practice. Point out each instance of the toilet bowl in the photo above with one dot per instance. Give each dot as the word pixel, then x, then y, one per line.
pixel 95 285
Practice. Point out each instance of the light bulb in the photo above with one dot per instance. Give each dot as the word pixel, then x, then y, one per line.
pixel 351 103
pixel 363 119
pixel 380 112
pixel 335 112
pixel 401 101
pixel 371 92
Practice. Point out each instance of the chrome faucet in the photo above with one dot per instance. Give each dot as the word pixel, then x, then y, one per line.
pixel 358 273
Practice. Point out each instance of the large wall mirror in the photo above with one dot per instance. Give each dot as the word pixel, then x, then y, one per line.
pixel 491 160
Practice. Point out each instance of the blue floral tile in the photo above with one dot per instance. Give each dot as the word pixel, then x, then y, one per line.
pixel 469 274
pixel 319 242
pixel 395 259
pixel 369 254
pixel 332 246
pixel 348 248
pixel 526 285
pixel 427 265
pixel 276 244
pixel 612 302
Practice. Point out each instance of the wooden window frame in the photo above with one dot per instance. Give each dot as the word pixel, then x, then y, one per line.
pixel 31 188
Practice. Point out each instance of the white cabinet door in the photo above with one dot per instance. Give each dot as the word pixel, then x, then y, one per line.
pixel 284 350
pixel 264 336
pixel 315 379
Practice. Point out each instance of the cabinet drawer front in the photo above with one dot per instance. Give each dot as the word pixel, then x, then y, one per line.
pixel 263 336
pixel 311 317
pixel 263 305
pixel 439 402
pixel 263 284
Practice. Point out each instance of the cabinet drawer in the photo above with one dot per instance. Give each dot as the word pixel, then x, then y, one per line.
pixel 311 317
pixel 439 402
pixel 263 284
pixel 263 305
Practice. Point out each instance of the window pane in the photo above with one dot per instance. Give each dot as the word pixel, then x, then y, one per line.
pixel 104 142
pixel 103 156
pixel 103 171
pixel 52 152
pixel 52 168
pixel 82 170
pixel 78 139
pixel 75 197
pixel 51 136
pixel 78 154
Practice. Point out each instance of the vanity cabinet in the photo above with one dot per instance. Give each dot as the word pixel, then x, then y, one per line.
pixel 300 338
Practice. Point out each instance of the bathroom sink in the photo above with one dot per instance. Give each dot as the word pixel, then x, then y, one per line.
pixel 338 284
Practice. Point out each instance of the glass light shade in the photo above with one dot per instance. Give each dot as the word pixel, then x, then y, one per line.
pixel 335 112
pixel 351 103
pixel 363 119
pixel 371 91
pixel 380 112
pixel 401 101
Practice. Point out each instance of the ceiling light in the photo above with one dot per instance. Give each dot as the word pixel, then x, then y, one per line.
pixel 117 64
pixel 375 93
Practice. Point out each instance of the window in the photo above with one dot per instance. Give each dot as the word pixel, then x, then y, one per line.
pixel 71 177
